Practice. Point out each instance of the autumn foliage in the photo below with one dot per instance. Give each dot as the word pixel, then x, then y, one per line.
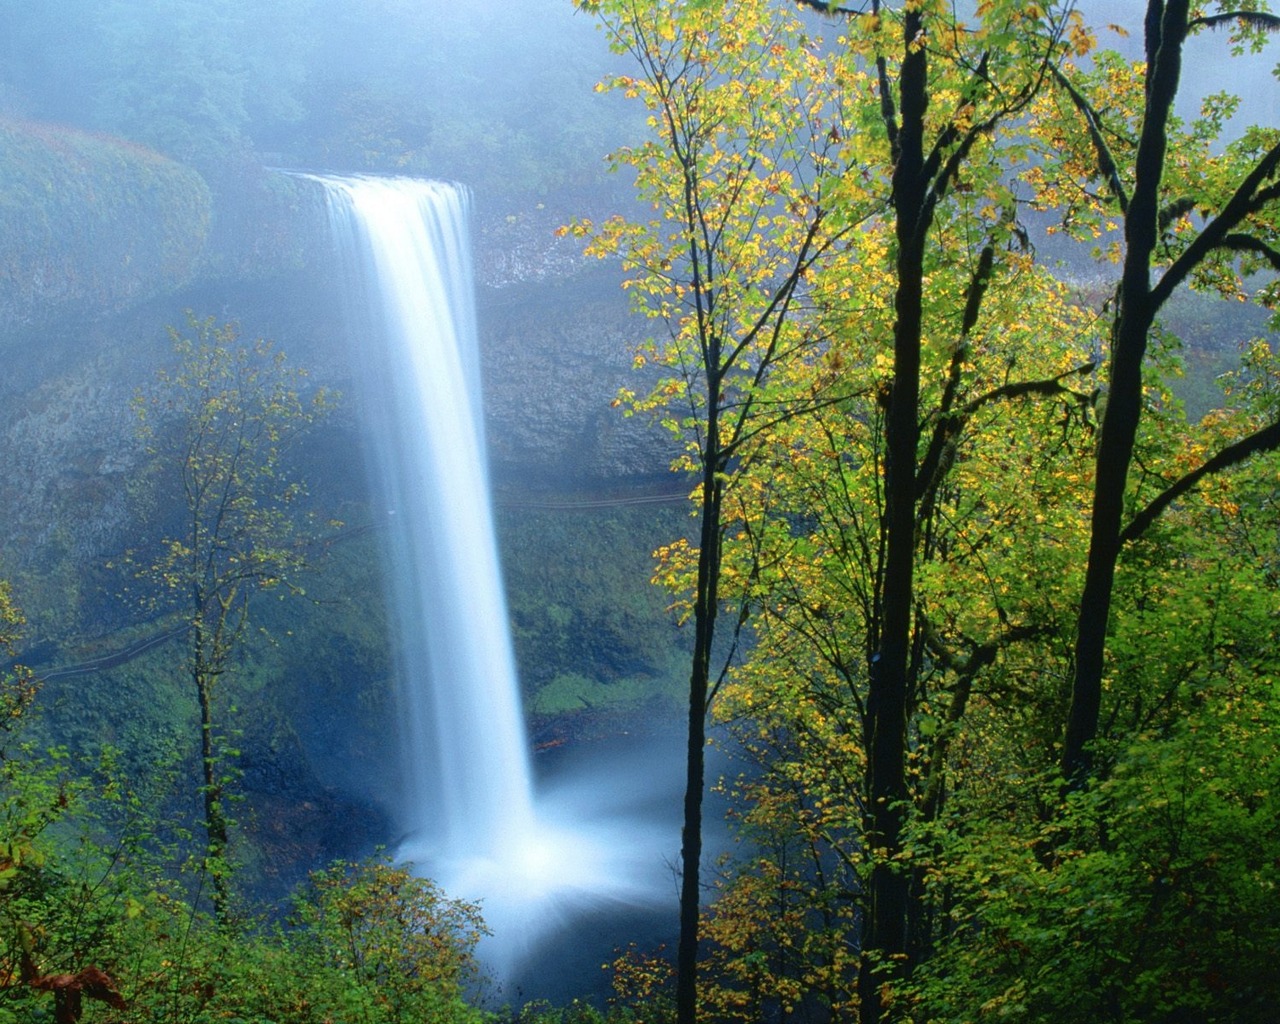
pixel 988 586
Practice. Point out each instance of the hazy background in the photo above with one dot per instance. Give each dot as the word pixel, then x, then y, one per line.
pixel 497 93
pixel 490 90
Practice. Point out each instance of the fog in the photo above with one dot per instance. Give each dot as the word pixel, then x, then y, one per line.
pixel 482 90
pixel 1208 65
pixel 496 93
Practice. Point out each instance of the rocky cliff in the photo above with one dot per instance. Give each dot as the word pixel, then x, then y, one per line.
pixel 105 246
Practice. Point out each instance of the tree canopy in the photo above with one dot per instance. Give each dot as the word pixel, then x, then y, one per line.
pixel 977 560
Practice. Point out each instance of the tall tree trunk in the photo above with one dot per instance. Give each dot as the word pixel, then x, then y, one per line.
pixel 215 820
pixel 885 935
pixel 1166 29
pixel 704 620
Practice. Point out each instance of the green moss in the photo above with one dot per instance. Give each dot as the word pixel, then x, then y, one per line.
pixel 88 220
pixel 572 692
pixel 142 709
pixel 265 222
pixel 588 625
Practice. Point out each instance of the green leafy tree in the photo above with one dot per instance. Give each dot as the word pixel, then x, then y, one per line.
pixel 884 159
pixel 982 81
pixel 1147 899
pixel 398 942
pixel 220 425
pixel 998 554
pixel 1188 217
pixel 910 540
pixel 744 138
pixel 18 684
pixel 864 523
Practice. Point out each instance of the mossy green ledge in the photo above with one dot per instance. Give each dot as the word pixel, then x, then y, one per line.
pixel 93 222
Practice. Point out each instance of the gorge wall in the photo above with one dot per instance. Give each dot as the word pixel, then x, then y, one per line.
pixel 106 246
pixel 105 243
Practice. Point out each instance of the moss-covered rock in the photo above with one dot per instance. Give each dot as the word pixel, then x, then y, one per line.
pixel 92 222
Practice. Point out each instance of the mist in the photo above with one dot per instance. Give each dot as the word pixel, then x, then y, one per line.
pixel 488 92
pixel 496 94
pixel 141 145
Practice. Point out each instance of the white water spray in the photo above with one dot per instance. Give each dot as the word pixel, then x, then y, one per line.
pixel 470 805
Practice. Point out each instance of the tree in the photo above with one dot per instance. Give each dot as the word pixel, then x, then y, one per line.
pixel 18 684
pixel 219 426
pixel 809 539
pixel 745 134
pixel 904 521
pixel 824 597
pixel 1190 217
pixel 897 166
pixel 406 951
pixel 940 164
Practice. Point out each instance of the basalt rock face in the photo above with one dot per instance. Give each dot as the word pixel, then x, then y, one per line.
pixel 554 354
pixel 83 329
pixel 558 342
pixel 96 233
pixel 92 226
pixel 554 357
pixel 104 245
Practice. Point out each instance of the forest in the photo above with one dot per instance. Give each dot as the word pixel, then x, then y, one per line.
pixel 955 324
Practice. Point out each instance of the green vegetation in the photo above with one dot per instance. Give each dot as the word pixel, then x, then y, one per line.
pixel 220 425
pixel 1004 601
pixel 90 221
pixel 590 632
pixel 111 931
pixel 17 685
pixel 986 616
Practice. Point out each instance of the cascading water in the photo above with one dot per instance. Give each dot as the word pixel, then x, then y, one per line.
pixel 474 821
pixel 419 354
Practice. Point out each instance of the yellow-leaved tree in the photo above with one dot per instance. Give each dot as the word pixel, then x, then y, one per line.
pixel 219 425
pixel 828 221
pixel 748 131
pixel 907 504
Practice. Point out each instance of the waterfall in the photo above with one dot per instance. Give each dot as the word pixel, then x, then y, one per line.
pixel 467 767
pixel 469 804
